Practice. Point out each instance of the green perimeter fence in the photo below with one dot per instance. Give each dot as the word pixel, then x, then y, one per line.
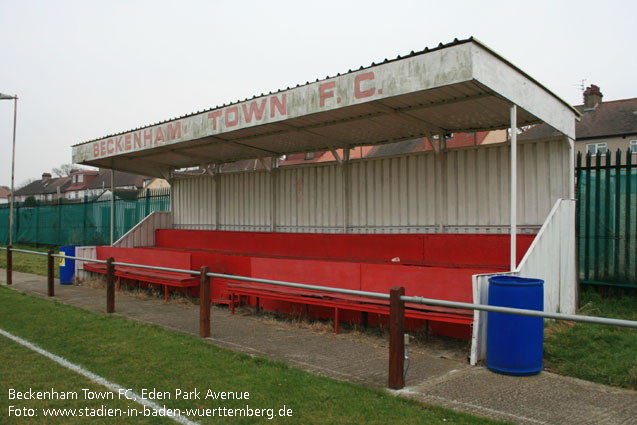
pixel 607 219
pixel 83 223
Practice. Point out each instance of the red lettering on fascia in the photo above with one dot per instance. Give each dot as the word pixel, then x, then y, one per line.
pixel 109 146
pixel 173 130
pixel 214 115
pixel 279 105
pixel 254 110
pixel 324 93
pixel 103 148
pixel 148 137
pixel 159 135
pixel 232 110
pixel 360 94
pixel 128 145
pixel 137 140
pixel 96 149
pixel 118 144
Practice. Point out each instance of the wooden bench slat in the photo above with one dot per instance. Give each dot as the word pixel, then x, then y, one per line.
pixel 150 276
pixel 347 302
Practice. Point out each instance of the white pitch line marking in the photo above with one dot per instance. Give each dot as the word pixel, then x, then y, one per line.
pixel 93 377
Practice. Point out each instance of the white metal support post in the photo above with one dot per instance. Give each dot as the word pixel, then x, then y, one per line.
pixel 346 188
pixel 514 182
pixel 217 179
pixel 571 168
pixel 273 192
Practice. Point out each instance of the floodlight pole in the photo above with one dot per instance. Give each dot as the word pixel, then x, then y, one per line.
pixel 15 120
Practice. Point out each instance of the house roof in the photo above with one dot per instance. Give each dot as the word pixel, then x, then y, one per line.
pixel 45 186
pixel 457 87
pixel 121 179
pixel 88 177
pixel 421 144
pixel 4 192
pixel 608 119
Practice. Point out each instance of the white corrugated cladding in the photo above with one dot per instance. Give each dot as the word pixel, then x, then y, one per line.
pixel 310 199
pixel 244 201
pixel 199 197
pixel 386 195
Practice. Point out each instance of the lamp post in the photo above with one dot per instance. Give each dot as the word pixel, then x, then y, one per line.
pixel 15 118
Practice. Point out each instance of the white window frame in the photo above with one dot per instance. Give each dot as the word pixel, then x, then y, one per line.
pixel 633 146
pixel 597 147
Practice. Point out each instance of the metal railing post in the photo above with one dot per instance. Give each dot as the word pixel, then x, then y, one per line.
pixel 50 273
pixel 9 266
pixel 204 303
pixel 110 285
pixel 396 337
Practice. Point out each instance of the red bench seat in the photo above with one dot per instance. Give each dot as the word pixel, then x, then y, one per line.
pixel 346 302
pixel 180 260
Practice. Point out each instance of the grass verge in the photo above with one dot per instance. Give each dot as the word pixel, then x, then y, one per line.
pixel 597 353
pixel 140 356
pixel 23 369
pixel 30 263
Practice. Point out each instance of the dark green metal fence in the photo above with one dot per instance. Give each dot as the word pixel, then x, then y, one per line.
pixel 84 223
pixel 607 219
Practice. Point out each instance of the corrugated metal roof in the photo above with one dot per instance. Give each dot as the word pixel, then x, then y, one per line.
pixel 457 87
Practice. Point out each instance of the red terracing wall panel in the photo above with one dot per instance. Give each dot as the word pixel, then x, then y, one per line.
pixel 374 248
pixel 444 283
pixel 430 265
pixel 334 274
pixel 146 256
pixel 239 265
pixel 473 249
pixel 455 250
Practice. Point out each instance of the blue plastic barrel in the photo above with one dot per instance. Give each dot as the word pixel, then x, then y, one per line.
pixel 514 343
pixel 67 266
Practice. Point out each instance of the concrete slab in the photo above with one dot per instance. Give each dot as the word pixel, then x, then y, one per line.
pixel 434 377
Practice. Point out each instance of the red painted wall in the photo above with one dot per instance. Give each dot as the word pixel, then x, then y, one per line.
pixel 146 256
pixel 431 249
pixel 430 265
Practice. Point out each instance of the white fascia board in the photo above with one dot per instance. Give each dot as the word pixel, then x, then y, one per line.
pixel 504 79
pixel 412 74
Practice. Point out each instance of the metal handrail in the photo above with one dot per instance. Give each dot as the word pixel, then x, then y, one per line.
pixel 163 269
pixel 379 295
pixel 441 303
pixel 300 285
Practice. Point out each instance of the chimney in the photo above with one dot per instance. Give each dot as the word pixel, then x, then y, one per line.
pixel 46 176
pixel 592 97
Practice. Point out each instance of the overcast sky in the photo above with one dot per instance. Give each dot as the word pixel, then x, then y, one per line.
pixel 85 69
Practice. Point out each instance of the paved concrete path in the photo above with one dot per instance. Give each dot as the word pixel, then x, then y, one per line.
pixel 436 377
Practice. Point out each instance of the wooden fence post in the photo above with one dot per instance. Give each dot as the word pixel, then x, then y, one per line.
pixel 204 303
pixel 110 285
pixel 50 273
pixel 396 337
pixel 9 266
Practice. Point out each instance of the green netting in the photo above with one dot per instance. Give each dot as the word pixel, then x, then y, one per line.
pixel 607 224
pixel 86 223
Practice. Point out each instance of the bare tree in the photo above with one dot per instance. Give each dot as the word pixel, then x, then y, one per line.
pixel 24 184
pixel 64 170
